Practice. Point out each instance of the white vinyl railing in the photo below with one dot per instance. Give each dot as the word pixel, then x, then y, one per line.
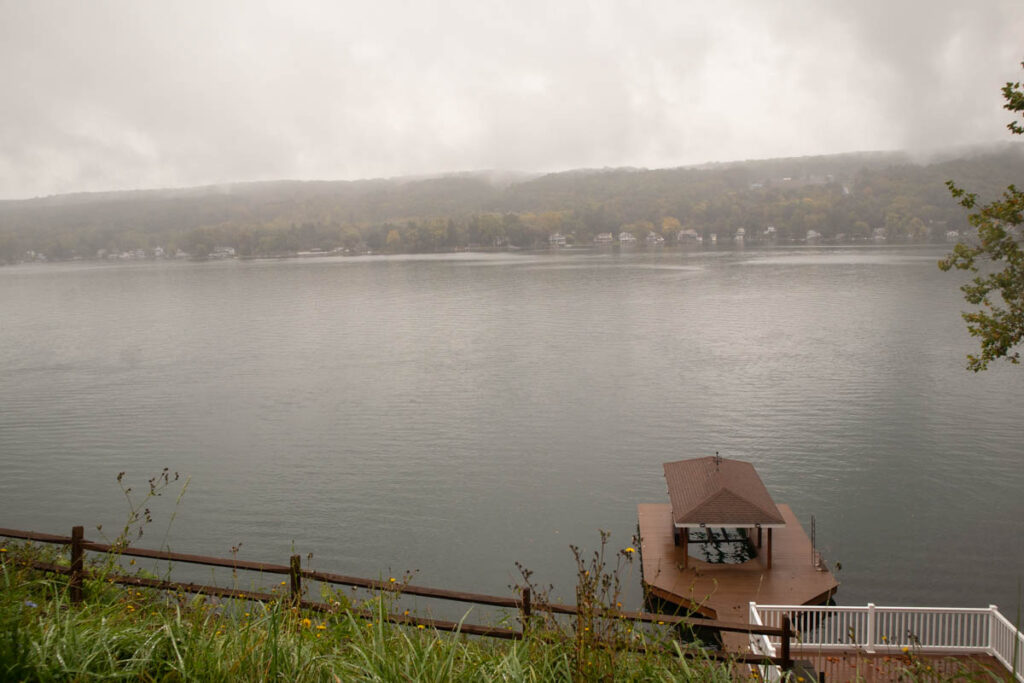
pixel 760 645
pixel 919 629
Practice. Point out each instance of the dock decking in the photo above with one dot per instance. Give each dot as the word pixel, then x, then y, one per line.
pixel 724 591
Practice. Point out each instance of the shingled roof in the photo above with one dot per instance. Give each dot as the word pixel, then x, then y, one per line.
pixel 719 492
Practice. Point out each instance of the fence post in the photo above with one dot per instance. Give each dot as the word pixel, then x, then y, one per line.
pixel 787 633
pixel 295 574
pixel 526 609
pixel 75 580
pixel 869 637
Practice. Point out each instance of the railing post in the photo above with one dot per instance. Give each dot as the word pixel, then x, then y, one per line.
pixel 992 611
pixel 526 609
pixel 77 562
pixel 295 574
pixel 869 638
pixel 787 633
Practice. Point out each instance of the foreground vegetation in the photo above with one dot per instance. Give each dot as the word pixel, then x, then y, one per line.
pixel 148 635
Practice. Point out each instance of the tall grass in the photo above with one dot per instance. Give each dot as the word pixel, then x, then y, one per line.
pixel 127 633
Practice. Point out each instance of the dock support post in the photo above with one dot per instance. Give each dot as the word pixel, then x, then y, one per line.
pixel 768 563
pixel 758 535
pixel 295 575
pixel 77 561
pixel 684 535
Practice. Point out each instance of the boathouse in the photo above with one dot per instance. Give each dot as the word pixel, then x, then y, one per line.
pixel 715 500
pixel 716 493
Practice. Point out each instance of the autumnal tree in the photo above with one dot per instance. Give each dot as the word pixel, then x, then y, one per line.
pixel 998 258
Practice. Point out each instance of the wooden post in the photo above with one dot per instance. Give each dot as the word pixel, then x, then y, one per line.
pixel 526 609
pixel 787 633
pixel 684 535
pixel 759 536
pixel 75 580
pixel 768 564
pixel 295 574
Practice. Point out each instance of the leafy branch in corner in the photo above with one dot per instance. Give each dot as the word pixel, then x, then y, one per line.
pixel 999 293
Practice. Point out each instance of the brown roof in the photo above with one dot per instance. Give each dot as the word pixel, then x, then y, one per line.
pixel 719 492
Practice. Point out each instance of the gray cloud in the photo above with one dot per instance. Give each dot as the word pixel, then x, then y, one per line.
pixel 130 94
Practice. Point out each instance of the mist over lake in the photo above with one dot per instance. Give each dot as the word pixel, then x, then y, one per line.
pixel 454 414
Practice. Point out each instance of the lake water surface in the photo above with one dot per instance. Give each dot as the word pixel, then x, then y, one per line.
pixel 454 414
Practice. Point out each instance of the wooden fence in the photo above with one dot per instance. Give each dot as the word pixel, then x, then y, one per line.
pixel 77 572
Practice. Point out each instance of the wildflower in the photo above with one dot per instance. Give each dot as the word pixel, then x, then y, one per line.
pixel 132 561
pixel 29 603
pixel 284 583
pixel 884 639
pixel 905 648
pixel 307 622
pixel 3 550
pixel 246 614
pixel 420 626
pixel 392 579
pixel 321 627
pixel 661 623
pixel 630 549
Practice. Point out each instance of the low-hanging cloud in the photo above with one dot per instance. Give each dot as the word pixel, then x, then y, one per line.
pixel 126 94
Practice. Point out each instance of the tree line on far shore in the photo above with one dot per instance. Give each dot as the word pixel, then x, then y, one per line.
pixel 839 198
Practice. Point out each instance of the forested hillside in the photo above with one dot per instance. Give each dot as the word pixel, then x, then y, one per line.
pixel 842 198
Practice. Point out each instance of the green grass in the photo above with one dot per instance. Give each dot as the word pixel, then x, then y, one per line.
pixel 126 633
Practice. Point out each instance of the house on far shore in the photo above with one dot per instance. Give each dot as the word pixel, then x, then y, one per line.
pixel 557 240
pixel 653 239
pixel 627 238
pixel 689 236
pixel 603 238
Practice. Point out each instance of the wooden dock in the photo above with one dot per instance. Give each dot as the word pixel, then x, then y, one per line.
pixel 881 668
pixel 724 591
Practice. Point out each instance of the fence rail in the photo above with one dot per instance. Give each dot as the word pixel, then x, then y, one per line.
pixel 523 602
pixel 926 630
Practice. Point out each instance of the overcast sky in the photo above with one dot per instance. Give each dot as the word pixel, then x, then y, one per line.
pixel 121 95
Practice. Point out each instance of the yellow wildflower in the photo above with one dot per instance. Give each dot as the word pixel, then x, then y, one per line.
pixel 905 648
pixel 630 549
pixel 420 626
pixel 321 627
pixel 392 579
pixel 307 622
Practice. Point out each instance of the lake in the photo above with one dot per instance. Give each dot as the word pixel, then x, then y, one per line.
pixel 454 414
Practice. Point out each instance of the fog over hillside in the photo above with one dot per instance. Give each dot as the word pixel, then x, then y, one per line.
pixel 842 198
pixel 128 95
